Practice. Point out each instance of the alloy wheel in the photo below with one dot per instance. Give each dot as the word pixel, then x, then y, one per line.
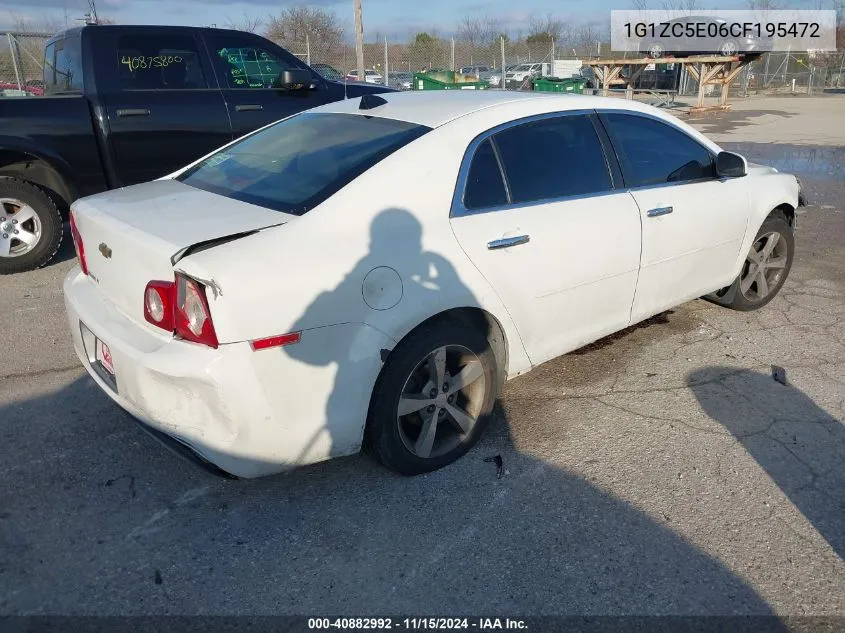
pixel 20 228
pixel 764 266
pixel 441 401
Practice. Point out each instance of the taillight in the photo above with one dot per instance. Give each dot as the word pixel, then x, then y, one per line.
pixel 160 303
pixel 77 244
pixel 193 318
pixel 181 308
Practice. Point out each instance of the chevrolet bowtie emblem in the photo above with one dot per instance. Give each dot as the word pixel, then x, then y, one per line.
pixel 105 251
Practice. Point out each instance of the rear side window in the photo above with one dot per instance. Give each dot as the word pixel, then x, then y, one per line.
pixel 159 62
pixel 653 153
pixel 63 66
pixel 301 161
pixel 484 186
pixel 553 158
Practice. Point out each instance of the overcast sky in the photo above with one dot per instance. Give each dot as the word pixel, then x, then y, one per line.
pixel 393 18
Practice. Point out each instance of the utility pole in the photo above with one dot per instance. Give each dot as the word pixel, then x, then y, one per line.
pixel 502 42
pixel 359 39
pixel 307 49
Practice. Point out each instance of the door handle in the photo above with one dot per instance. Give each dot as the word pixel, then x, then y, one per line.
pixel 133 112
pixel 248 107
pixel 655 213
pixel 507 242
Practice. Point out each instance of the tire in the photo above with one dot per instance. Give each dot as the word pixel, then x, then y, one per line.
pixel 729 48
pixel 43 222
pixel 399 441
pixel 744 294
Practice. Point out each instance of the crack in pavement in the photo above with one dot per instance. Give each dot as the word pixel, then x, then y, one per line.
pixel 42 372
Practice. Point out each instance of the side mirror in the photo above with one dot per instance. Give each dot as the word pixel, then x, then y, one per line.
pixel 730 165
pixel 295 79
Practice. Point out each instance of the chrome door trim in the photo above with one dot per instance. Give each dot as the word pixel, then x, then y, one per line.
pixel 515 206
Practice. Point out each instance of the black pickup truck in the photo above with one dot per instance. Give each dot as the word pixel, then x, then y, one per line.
pixel 127 104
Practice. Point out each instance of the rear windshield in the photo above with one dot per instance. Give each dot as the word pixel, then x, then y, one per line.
pixel 298 163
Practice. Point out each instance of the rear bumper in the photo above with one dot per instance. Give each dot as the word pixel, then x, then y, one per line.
pixel 247 413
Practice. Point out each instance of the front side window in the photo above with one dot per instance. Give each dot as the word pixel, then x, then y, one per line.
pixel 159 62
pixel 553 158
pixel 301 161
pixel 654 153
pixel 248 64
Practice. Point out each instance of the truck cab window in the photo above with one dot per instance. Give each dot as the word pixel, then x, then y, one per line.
pixel 159 62
pixel 63 66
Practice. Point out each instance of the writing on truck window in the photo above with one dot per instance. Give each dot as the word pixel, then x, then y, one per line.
pixel 141 62
pixel 159 62
pixel 249 67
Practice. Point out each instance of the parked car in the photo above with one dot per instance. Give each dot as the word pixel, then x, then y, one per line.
pixel 521 72
pixel 400 80
pixel 587 74
pixel 482 73
pixel 496 78
pixel 243 313
pixel 371 76
pixel 669 39
pixel 28 89
pixel 127 104
pixel 329 72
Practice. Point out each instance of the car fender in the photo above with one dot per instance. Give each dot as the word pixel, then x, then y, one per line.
pixel 767 192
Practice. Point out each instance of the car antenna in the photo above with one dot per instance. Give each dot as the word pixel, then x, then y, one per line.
pixel 370 101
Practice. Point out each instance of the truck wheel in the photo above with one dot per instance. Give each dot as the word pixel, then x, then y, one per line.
pixel 30 226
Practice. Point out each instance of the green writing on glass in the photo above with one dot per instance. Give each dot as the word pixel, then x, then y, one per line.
pixel 142 62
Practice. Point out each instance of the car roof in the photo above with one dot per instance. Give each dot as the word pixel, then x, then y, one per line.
pixel 437 107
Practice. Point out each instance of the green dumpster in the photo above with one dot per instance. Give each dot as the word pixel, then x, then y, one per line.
pixel 554 84
pixel 447 80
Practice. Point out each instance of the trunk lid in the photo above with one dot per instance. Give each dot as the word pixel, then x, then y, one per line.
pixel 135 235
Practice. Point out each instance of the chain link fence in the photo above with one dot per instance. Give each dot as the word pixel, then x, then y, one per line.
pixel 21 63
pixel 393 63
pixel 772 73
pixel 792 73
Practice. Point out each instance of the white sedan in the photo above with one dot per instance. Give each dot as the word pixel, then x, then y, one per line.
pixel 370 272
